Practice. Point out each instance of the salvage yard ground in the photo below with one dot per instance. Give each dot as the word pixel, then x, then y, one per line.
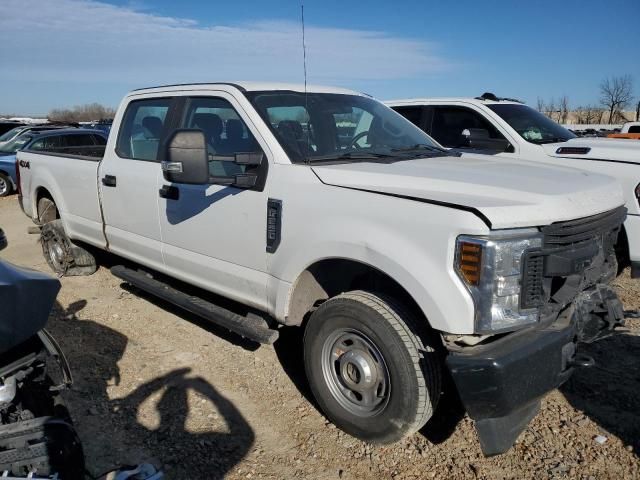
pixel 155 383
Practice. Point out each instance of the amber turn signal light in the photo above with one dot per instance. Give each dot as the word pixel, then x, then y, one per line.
pixel 470 262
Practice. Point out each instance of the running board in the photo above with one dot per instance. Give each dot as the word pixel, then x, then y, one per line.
pixel 251 326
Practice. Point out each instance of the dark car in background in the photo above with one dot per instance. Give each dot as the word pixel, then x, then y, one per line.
pixel 57 141
pixel 6 125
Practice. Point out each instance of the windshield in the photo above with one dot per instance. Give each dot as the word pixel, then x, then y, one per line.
pixel 530 124
pixel 10 134
pixel 328 126
pixel 16 144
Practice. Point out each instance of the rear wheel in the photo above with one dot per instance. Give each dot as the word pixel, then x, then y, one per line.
pixel 64 257
pixel 47 210
pixel 372 373
pixel 6 187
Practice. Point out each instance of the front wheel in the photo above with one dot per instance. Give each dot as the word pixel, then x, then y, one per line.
pixel 6 186
pixel 370 370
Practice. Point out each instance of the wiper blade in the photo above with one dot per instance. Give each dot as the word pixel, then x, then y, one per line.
pixel 551 140
pixel 419 146
pixel 349 156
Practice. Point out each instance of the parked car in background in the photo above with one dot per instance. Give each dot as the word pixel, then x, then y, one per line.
pixel 16 131
pixel 510 129
pixel 404 262
pixel 102 125
pixel 58 141
pixel 630 130
pixel 5 126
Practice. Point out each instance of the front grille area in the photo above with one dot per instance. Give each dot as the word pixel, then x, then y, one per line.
pixel 562 234
pixel 582 249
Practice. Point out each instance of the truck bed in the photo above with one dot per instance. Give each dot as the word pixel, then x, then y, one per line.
pixel 70 176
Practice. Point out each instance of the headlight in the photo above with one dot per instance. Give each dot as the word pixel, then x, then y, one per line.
pixel 491 269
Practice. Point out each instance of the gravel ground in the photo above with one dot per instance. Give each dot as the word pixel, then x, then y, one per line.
pixel 154 383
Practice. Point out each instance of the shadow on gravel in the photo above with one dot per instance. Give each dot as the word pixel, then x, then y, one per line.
pixel 110 431
pixel 609 392
pixel 108 260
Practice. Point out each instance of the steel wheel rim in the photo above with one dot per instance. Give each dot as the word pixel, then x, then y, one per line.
pixel 56 252
pixel 356 373
pixel 4 186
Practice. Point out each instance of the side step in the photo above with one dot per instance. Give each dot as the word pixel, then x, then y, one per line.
pixel 251 327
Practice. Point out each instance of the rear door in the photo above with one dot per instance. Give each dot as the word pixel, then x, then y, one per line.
pixel 214 235
pixel 128 180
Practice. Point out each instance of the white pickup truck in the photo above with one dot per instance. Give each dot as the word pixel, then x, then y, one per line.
pixel 507 128
pixel 325 209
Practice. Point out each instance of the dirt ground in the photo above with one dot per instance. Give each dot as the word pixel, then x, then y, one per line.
pixel 155 383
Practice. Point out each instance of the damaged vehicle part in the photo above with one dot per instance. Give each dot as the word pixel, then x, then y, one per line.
pixel 36 435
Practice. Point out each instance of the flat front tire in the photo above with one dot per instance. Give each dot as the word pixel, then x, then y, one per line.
pixel 373 371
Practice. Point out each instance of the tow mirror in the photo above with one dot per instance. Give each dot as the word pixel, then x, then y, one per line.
pixel 240 180
pixel 3 240
pixel 479 139
pixel 186 158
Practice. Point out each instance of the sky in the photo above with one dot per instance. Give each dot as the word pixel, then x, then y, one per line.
pixel 61 53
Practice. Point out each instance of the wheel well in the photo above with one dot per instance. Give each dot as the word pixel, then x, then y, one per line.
pixel 622 249
pixel 330 277
pixel 44 193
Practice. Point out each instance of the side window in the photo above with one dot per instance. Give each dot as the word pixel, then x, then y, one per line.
pixel 46 144
pixel 142 129
pixel 634 129
pixel 449 122
pixel 413 114
pixel 80 140
pixel 225 131
pixel 99 140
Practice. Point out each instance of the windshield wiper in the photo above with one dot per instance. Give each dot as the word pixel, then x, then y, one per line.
pixel 419 146
pixel 349 156
pixel 550 140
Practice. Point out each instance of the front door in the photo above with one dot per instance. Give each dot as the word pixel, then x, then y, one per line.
pixel 214 236
pixel 128 182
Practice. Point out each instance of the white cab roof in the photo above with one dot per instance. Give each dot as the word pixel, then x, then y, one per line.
pixel 247 86
pixel 425 100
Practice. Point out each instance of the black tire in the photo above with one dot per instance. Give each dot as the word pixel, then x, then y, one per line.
pixel 63 257
pixel 47 211
pixel 394 347
pixel 6 186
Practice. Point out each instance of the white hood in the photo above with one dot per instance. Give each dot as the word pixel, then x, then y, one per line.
pixel 510 193
pixel 616 149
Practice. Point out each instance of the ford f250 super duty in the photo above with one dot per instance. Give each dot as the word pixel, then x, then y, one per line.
pixel 325 209
pixel 508 128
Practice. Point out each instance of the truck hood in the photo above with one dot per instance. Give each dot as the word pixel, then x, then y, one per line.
pixel 616 149
pixel 508 193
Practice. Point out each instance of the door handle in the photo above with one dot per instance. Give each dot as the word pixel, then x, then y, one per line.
pixel 169 192
pixel 109 181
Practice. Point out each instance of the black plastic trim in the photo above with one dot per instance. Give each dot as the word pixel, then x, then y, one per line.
pixel 235 85
pixel 635 269
pixel 274 224
pixel 601 160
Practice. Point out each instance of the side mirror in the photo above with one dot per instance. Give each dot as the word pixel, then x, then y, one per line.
pixel 186 158
pixel 479 139
pixel 3 240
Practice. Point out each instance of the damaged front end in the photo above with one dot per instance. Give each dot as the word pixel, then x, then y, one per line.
pixel 501 378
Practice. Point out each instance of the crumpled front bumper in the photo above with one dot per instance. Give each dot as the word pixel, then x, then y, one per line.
pixel 501 383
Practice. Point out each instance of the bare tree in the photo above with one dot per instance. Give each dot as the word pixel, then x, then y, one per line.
pixel 82 113
pixel 550 108
pixel 615 94
pixel 540 105
pixel 563 110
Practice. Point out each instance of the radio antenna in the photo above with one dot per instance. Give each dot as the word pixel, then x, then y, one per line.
pixel 304 63
pixel 304 49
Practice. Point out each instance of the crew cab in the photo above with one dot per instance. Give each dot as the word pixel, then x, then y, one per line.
pixel 322 208
pixel 508 128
